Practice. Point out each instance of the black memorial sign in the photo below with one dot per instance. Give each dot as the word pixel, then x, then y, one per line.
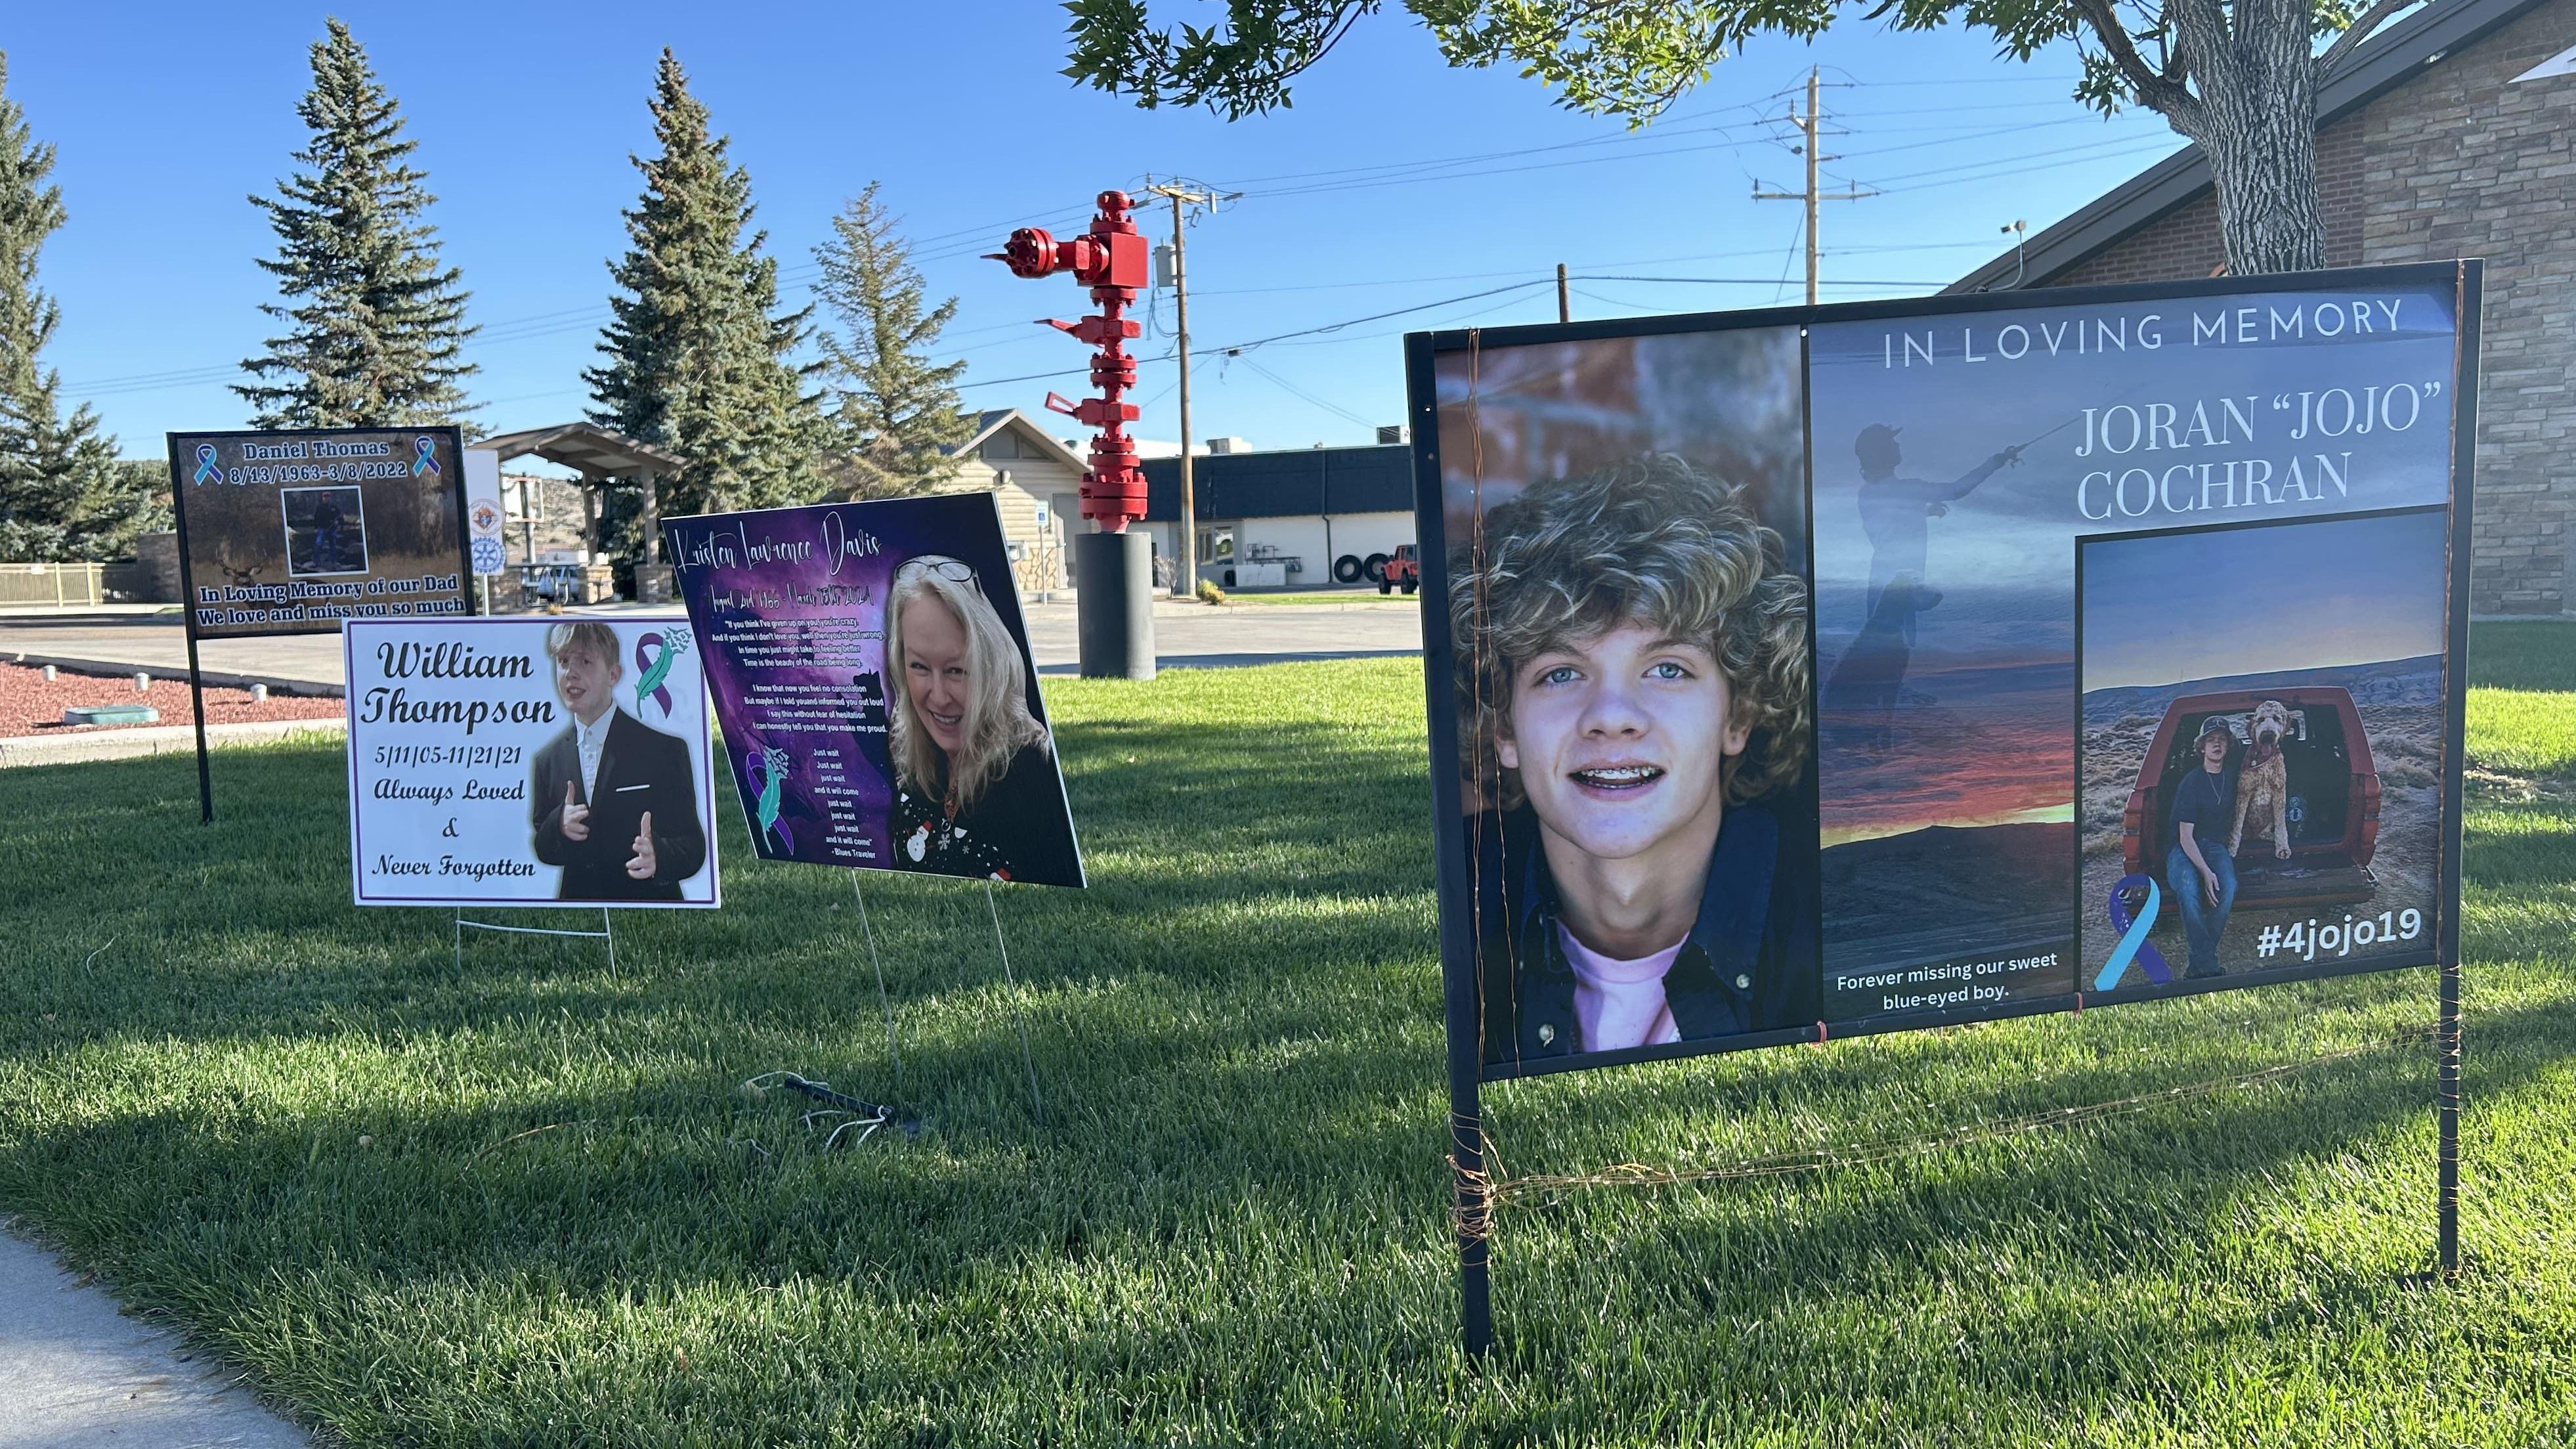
pixel 1827 671
pixel 292 532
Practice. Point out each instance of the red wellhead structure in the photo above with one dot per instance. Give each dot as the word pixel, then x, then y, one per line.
pixel 1110 259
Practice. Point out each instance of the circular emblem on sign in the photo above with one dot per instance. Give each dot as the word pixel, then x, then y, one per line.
pixel 487 517
pixel 487 555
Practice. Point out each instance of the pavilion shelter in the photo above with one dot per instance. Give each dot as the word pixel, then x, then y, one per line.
pixel 599 455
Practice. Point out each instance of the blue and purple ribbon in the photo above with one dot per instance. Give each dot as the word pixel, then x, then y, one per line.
pixel 206 471
pixel 2134 945
pixel 653 656
pixel 421 461
pixel 768 770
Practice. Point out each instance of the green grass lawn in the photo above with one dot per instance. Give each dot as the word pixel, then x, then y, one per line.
pixel 525 1203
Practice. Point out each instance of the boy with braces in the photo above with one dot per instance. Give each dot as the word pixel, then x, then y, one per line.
pixel 1633 686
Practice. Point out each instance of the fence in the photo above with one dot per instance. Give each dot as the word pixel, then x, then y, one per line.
pixel 59 585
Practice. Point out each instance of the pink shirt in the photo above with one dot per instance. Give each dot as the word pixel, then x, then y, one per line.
pixel 1620 1003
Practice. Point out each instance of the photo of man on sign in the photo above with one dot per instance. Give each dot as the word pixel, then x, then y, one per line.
pixel 613 801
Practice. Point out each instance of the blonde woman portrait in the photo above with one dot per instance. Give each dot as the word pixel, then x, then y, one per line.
pixel 977 792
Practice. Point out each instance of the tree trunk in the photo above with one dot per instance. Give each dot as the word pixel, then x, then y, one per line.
pixel 2258 126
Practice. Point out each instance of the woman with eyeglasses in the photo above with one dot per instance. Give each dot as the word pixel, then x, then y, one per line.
pixel 976 787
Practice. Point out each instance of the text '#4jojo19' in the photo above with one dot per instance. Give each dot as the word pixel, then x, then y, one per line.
pixel 2311 938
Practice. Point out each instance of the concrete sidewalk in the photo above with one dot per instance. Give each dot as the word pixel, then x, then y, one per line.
pixel 140 740
pixel 1187 634
pixel 77 1374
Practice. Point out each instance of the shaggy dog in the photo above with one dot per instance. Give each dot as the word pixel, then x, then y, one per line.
pixel 2263 782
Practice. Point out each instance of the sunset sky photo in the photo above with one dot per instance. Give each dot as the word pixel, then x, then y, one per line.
pixel 2185 607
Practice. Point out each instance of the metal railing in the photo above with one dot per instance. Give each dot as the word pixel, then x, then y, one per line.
pixel 60 585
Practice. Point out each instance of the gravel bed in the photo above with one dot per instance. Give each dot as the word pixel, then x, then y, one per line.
pixel 32 705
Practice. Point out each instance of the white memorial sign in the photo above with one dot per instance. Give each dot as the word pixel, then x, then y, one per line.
pixel 529 762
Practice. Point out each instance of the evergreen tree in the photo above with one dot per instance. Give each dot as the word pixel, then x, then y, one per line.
pixel 697 354
pixel 895 413
pixel 62 495
pixel 377 325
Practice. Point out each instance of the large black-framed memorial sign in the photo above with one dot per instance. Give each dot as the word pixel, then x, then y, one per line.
pixel 1814 672
pixel 291 532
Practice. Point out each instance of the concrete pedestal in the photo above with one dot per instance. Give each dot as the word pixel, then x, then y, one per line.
pixel 652 583
pixel 1114 610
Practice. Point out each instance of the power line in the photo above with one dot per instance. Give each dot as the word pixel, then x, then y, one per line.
pixel 1300 393
pixel 2053 160
pixel 1239 347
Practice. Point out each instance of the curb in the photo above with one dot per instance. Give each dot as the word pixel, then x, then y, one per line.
pixel 220 679
pixel 127 744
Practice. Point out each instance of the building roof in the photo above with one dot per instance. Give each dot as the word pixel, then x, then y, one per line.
pixel 1290 483
pixel 994 420
pixel 594 450
pixel 2374 67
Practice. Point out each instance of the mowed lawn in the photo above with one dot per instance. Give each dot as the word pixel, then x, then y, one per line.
pixel 526 1202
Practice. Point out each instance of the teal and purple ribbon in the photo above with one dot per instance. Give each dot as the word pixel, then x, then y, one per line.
pixel 768 770
pixel 206 471
pixel 422 461
pixel 653 656
pixel 2134 945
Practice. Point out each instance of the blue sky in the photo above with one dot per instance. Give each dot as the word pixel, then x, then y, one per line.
pixel 167 116
pixel 2184 607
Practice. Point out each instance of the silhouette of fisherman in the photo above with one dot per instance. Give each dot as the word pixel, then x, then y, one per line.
pixel 1896 513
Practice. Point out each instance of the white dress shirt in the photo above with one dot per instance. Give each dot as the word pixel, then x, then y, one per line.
pixel 593 739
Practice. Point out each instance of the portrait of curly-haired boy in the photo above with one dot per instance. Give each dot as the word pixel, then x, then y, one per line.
pixel 1632 690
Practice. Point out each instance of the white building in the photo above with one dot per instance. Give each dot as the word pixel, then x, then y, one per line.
pixel 1037 482
pixel 1303 518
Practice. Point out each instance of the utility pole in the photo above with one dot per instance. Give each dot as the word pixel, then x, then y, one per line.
pixel 1811 123
pixel 1564 309
pixel 1186 568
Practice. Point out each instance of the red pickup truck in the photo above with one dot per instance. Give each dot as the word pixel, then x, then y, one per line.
pixel 2333 806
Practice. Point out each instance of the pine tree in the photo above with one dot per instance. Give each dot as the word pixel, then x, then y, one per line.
pixel 62 495
pixel 697 352
pixel 377 326
pixel 896 413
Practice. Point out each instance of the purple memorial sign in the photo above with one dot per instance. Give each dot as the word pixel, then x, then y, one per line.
pixel 836 760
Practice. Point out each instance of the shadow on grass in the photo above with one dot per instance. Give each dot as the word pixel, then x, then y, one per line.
pixel 1230 1225
pixel 1248 1180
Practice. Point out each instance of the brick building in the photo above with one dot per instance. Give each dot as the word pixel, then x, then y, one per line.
pixel 2451 134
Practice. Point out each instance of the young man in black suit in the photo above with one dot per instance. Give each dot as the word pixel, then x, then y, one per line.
pixel 615 802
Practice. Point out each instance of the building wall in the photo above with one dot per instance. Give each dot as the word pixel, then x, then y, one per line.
pixel 1300 538
pixel 1019 484
pixel 2464 163
pixel 1316 540
pixel 1362 534
pixel 2456 162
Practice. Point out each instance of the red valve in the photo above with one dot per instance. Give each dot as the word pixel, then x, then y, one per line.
pixel 1110 259
pixel 1030 252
